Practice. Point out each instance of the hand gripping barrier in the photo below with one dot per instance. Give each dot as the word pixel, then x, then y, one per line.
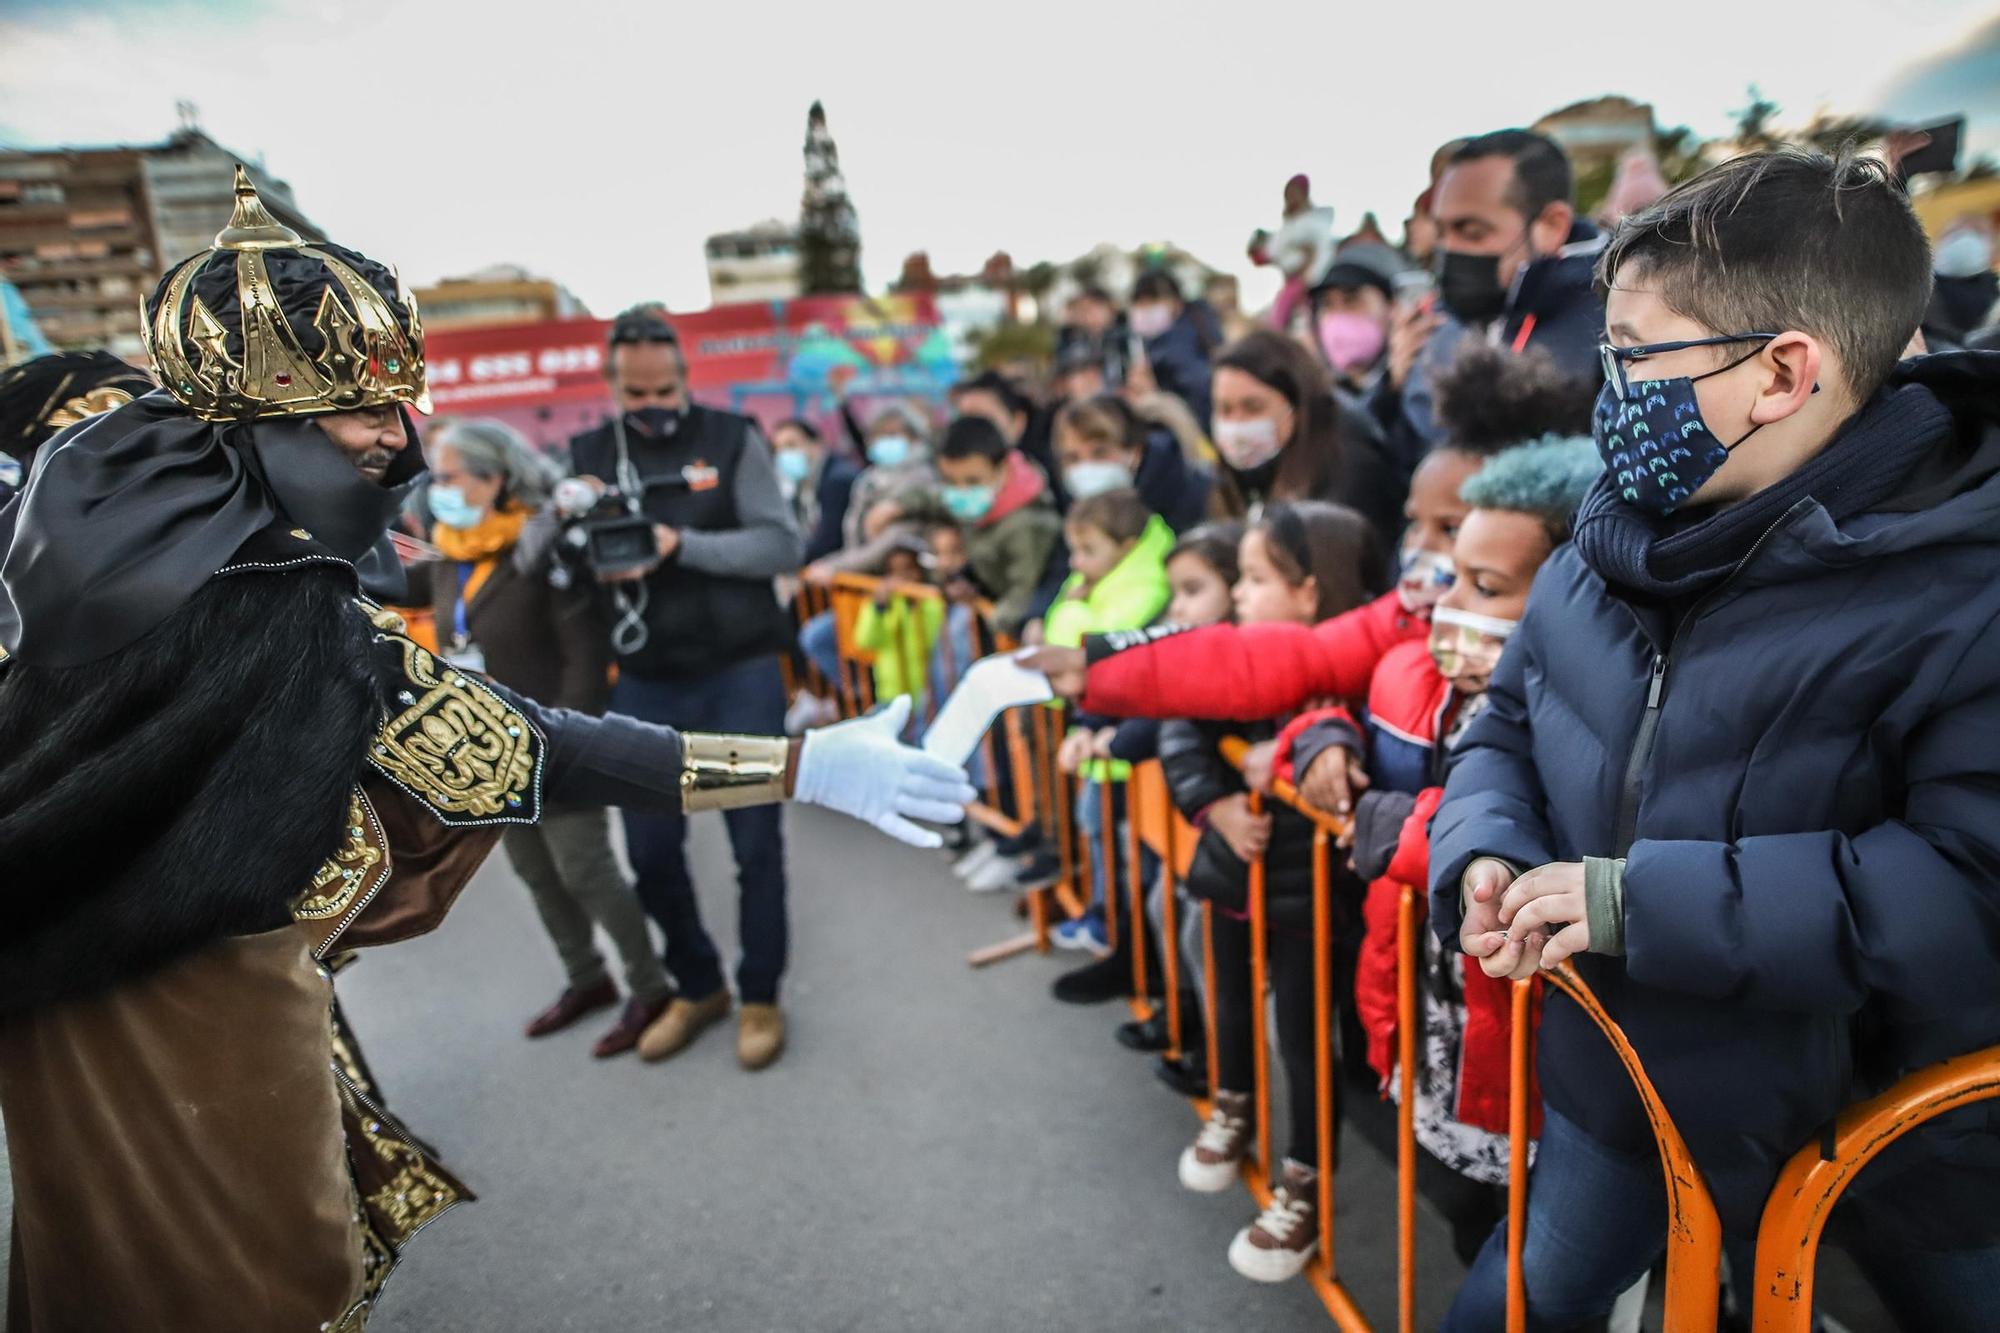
pixel 1027 789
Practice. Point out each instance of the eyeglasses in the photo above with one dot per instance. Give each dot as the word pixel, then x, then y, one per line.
pixel 1614 358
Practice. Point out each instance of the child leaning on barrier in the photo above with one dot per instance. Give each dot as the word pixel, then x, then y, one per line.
pixel 1301 562
pixel 1421 701
pixel 1739 761
pixel 1118 561
pixel 899 629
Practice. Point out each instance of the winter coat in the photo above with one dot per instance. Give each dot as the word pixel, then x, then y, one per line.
pixel 1197 777
pixel 1804 780
pixel 832 489
pixel 912 485
pixel 1179 358
pixel 1130 596
pixel 1554 307
pixel 1173 486
pixel 1009 548
pixel 900 636
pixel 1243 672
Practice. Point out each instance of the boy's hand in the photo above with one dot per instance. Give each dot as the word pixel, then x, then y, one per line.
pixel 1539 901
pixel 1031 634
pixel 1100 744
pixel 1260 766
pixel 1481 933
pixel 1332 781
pixel 1065 668
pixel 1074 751
pixel 1248 835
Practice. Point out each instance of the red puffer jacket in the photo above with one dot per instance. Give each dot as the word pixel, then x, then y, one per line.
pixel 1243 673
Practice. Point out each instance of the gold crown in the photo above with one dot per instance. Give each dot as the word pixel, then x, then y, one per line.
pixel 367 358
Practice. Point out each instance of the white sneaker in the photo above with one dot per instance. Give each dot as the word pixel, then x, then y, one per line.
pixel 1279 1244
pixel 1211 1163
pixel 981 856
pixel 997 874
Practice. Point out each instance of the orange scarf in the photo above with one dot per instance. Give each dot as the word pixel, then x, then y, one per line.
pixel 481 544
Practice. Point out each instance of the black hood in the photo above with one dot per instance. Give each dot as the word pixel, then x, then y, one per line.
pixel 126 514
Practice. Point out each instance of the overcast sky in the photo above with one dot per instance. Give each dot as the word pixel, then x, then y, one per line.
pixel 598 143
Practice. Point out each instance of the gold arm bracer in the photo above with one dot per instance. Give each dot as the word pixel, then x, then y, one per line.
pixel 724 772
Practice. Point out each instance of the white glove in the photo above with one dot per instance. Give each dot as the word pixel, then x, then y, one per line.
pixel 860 768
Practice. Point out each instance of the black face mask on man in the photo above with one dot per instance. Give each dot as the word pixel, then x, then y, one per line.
pixel 1469 286
pixel 658 422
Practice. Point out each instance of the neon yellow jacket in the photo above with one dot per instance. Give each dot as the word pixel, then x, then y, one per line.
pixel 1131 596
pixel 900 635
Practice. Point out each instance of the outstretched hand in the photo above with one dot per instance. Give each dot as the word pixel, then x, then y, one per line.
pixel 1066 668
pixel 863 770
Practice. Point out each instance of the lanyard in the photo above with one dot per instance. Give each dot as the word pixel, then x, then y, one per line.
pixel 461 630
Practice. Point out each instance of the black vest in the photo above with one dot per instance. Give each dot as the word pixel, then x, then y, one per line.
pixel 698 622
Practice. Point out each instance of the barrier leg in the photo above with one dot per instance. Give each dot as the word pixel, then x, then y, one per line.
pixel 1107 861
pixel 1137 896
pixel 1208 986
pixel 1170 930
pixel 1406 1112
pixel 1517 1160
pixel 1259 989
pixel 1323 1039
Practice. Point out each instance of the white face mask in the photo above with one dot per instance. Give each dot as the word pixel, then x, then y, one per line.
pixel 1084 480
pixel 1150 321
pixel 1424 577
pixel 1248 445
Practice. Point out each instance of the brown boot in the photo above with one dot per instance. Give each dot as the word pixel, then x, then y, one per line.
pixel 684 1020
pixel 625 1033
pixel 760 1035
pixel 1279 1244
pixel 571 1005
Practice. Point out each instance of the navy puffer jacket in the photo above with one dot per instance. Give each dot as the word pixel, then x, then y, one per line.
pixel 1804 774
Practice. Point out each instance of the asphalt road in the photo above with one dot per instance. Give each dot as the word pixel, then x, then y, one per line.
pixel 940 1149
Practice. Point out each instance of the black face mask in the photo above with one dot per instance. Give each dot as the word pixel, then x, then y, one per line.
pixel 1469 286
pixel 659 422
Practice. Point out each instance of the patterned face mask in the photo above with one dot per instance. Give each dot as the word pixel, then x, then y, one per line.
pixel 1424 577
pixel 1656 448
pixel 1466 647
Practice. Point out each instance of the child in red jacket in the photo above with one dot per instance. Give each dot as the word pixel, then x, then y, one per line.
pixel 1420 702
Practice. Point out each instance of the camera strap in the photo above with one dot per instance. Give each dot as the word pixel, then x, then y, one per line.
pixel 629 633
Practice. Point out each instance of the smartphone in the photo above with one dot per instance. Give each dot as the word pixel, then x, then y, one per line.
pixel 1413 287
pixel 1941 153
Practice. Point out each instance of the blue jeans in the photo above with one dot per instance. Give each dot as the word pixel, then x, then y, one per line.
pixel 819 640
pixel 1597 1220
pixel 748 698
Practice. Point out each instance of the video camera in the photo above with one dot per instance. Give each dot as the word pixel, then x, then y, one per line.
pixel 604 527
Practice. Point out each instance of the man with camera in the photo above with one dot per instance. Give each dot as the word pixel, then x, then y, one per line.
pixel 684 529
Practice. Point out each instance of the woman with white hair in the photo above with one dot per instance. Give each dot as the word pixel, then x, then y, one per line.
pixel 498 611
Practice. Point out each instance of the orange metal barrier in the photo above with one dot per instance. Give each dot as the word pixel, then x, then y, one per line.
pixel 1043 796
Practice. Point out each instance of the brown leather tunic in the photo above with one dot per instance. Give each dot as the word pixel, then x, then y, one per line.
pixel 187 1155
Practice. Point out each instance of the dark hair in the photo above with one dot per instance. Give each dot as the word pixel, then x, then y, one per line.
pixel 1120 515
pixel 1214 544
pixel 1090 291
pixel 973 437
pixel 1106 419
pixel 1311 465
pixel 993 382
pixel 800 424
pixel 1489 399
pixel 1788 239
pixel 1541 170
pixel 1329 543
pixel 1156 284
pixel 643 323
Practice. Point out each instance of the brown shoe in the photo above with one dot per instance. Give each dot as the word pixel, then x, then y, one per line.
pixel 683 1021
pixel 571 1005
pixel 760 1035
pixel 1279 1244
pixel 624 1034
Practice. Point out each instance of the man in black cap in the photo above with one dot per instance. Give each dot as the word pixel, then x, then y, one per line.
pixel 222 764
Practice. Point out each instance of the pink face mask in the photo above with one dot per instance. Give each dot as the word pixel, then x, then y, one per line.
pixel 1351 342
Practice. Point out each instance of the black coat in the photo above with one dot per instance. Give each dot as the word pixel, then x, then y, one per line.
pixel 1173 485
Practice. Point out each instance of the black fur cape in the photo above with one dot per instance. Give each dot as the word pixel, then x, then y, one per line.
pixel 183 789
